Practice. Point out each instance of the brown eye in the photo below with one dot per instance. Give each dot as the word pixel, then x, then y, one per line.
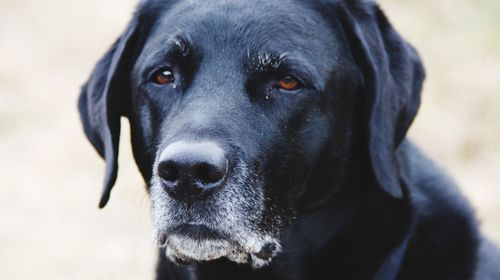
pixel 288 83
pixel 163 76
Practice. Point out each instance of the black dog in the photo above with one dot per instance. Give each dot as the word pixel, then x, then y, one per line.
pixel 272 138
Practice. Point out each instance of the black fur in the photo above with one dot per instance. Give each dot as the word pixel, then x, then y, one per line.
pixel 349 195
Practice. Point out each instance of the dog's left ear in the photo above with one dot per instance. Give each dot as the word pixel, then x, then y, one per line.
pixel 393 77
pixel 102 103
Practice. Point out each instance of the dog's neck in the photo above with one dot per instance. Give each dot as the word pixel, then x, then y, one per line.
pixel 356 235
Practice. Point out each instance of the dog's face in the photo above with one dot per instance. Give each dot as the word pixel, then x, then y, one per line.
pixel 232 106
pixel 238 113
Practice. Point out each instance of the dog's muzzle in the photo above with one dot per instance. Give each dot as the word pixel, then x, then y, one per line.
pixel 206 207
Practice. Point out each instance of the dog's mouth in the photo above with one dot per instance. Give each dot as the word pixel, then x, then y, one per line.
pixel 189 243
pixel 197 232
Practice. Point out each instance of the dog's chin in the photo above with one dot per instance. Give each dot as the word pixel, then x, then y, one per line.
pixel 186 249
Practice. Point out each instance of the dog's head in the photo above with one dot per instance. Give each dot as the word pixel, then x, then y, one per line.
pixel 245 112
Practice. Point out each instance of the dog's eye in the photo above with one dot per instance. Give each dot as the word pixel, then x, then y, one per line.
pixel 163 76
pixel 289 83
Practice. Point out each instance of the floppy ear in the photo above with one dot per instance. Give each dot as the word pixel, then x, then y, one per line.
pixel 101 103
pixel 393 76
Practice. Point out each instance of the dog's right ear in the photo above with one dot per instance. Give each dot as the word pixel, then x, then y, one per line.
pixel 102 103
pixel 393 77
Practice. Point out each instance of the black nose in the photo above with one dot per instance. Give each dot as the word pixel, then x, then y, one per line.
pixel 192 171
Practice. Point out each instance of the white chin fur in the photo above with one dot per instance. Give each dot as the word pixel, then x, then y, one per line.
pixel 184 249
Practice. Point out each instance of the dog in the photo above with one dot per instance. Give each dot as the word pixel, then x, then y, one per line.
pixel 272 137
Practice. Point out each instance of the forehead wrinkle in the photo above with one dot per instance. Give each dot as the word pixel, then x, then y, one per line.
pixel 223 21
pixel 223 30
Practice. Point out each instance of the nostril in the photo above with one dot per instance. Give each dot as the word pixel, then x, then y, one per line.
pixel 208 173
pixel 168 171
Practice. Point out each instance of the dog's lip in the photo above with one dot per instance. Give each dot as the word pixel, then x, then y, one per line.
pixel 197 232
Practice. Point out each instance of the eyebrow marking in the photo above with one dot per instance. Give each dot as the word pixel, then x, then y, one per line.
pixel 266 61
pixel 182 45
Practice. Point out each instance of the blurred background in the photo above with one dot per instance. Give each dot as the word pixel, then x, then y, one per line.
pixel 50 176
